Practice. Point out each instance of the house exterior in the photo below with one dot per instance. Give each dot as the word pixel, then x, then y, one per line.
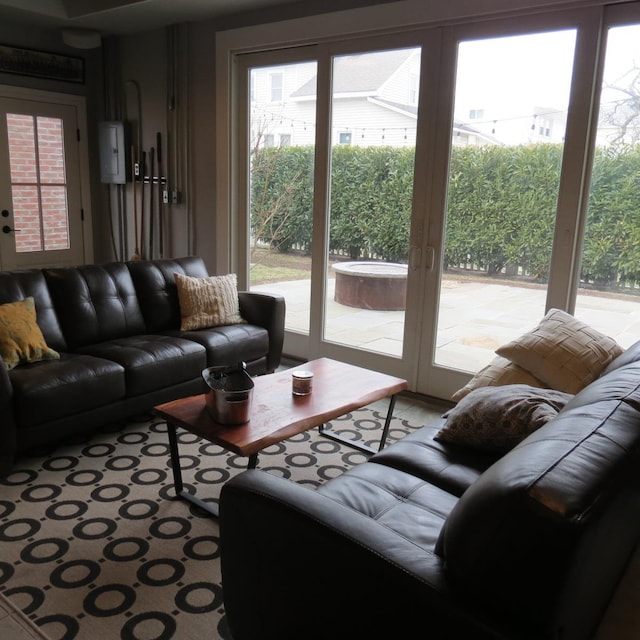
pixel 375 103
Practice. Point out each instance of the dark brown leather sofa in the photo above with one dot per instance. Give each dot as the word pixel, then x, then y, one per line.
pixel 117 329
pixel 431 540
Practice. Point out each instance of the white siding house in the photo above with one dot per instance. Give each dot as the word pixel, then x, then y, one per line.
pixel 375 102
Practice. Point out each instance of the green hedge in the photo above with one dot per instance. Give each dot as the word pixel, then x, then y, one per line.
pixel 500 212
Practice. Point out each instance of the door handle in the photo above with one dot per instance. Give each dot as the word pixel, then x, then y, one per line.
pixel 430 256
pixel 415 258
pixel 7 229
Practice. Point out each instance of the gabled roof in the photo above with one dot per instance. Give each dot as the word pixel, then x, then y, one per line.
pixel 360 73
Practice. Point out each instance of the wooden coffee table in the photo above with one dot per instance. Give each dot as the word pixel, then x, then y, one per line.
pixel 276 414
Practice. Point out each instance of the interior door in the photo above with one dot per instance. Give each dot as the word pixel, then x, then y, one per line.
pixel 42 214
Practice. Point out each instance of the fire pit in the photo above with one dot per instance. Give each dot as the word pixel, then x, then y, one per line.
pixel 371 285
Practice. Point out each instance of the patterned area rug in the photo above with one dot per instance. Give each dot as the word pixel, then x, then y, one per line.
pixel 94 544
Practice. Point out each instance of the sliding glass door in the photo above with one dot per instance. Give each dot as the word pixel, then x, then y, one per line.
pixel 422 197
pixel 608 292
pixel 507 142
pixel 280 155
pixel 374 102
pixel 330 154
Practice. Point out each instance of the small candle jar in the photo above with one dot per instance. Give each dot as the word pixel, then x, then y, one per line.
pixel 301 383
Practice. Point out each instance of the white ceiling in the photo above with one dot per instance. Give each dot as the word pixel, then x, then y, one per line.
pixel 129 16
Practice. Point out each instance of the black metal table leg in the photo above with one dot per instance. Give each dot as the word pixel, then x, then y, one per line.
pixel 332 435
pixel 209 507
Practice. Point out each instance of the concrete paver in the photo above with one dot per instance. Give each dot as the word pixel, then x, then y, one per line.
pixel 475 319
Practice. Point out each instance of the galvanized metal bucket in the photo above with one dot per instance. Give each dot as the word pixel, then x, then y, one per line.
pixel 230 393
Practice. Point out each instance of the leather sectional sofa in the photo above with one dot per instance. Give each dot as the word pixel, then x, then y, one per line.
pixel 428 539
pixel 117 329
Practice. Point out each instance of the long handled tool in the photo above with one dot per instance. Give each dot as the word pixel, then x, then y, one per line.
pixel 160 198
pixel 143 165
pixel 136 222
pixel 152 212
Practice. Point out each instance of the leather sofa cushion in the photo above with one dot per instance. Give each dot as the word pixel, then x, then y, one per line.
pixel 152 362
pixel 230 344
pixel 452 468
pixel 157 291
pixel 52 389
pixel 409 506
pixel 95 303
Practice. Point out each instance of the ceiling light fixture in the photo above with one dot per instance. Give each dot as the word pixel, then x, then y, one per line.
pixel 81 38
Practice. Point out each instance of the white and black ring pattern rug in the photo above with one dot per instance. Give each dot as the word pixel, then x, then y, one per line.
pixel 94 544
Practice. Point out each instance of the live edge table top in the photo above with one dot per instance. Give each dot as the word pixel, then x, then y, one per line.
pixel 276 414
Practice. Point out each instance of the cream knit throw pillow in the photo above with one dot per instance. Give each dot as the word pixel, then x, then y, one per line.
pixel 208 302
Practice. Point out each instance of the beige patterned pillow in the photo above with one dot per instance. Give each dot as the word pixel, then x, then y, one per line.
pixel 208 302
pixel 497 419
pixel 498 372
pixel 562 351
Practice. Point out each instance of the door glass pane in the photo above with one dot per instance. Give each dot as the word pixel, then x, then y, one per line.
pixel 26 214
pixel 54 218
pixel 373 134
pixel 510 112
pixel 281 155
pixel 609 291
pixel 39 193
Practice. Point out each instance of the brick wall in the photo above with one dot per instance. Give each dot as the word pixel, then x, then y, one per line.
pixel 36 153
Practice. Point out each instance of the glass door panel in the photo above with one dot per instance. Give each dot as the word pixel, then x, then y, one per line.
pixel 608 296
pixel 510 112
pixel 282 124
pixel 40 191
pixel 38 182
pixel 374 106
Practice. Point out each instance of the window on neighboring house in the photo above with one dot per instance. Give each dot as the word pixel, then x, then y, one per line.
pixel 345 137
pixel 544 128
pixel 269 140
pixel 413 88
pixel 476 114
pixel 277 82
pixel 285 139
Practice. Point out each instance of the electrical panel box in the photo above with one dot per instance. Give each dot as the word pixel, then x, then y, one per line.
pixel 113 152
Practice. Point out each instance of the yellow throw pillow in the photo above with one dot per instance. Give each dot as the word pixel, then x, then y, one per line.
pixel 208 302
pixel 562 351
pixel 499 372
pixel 20 337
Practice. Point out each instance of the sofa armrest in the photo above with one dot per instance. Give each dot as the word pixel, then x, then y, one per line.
pixel 266 310
pixel 295 564
pixel 8 437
